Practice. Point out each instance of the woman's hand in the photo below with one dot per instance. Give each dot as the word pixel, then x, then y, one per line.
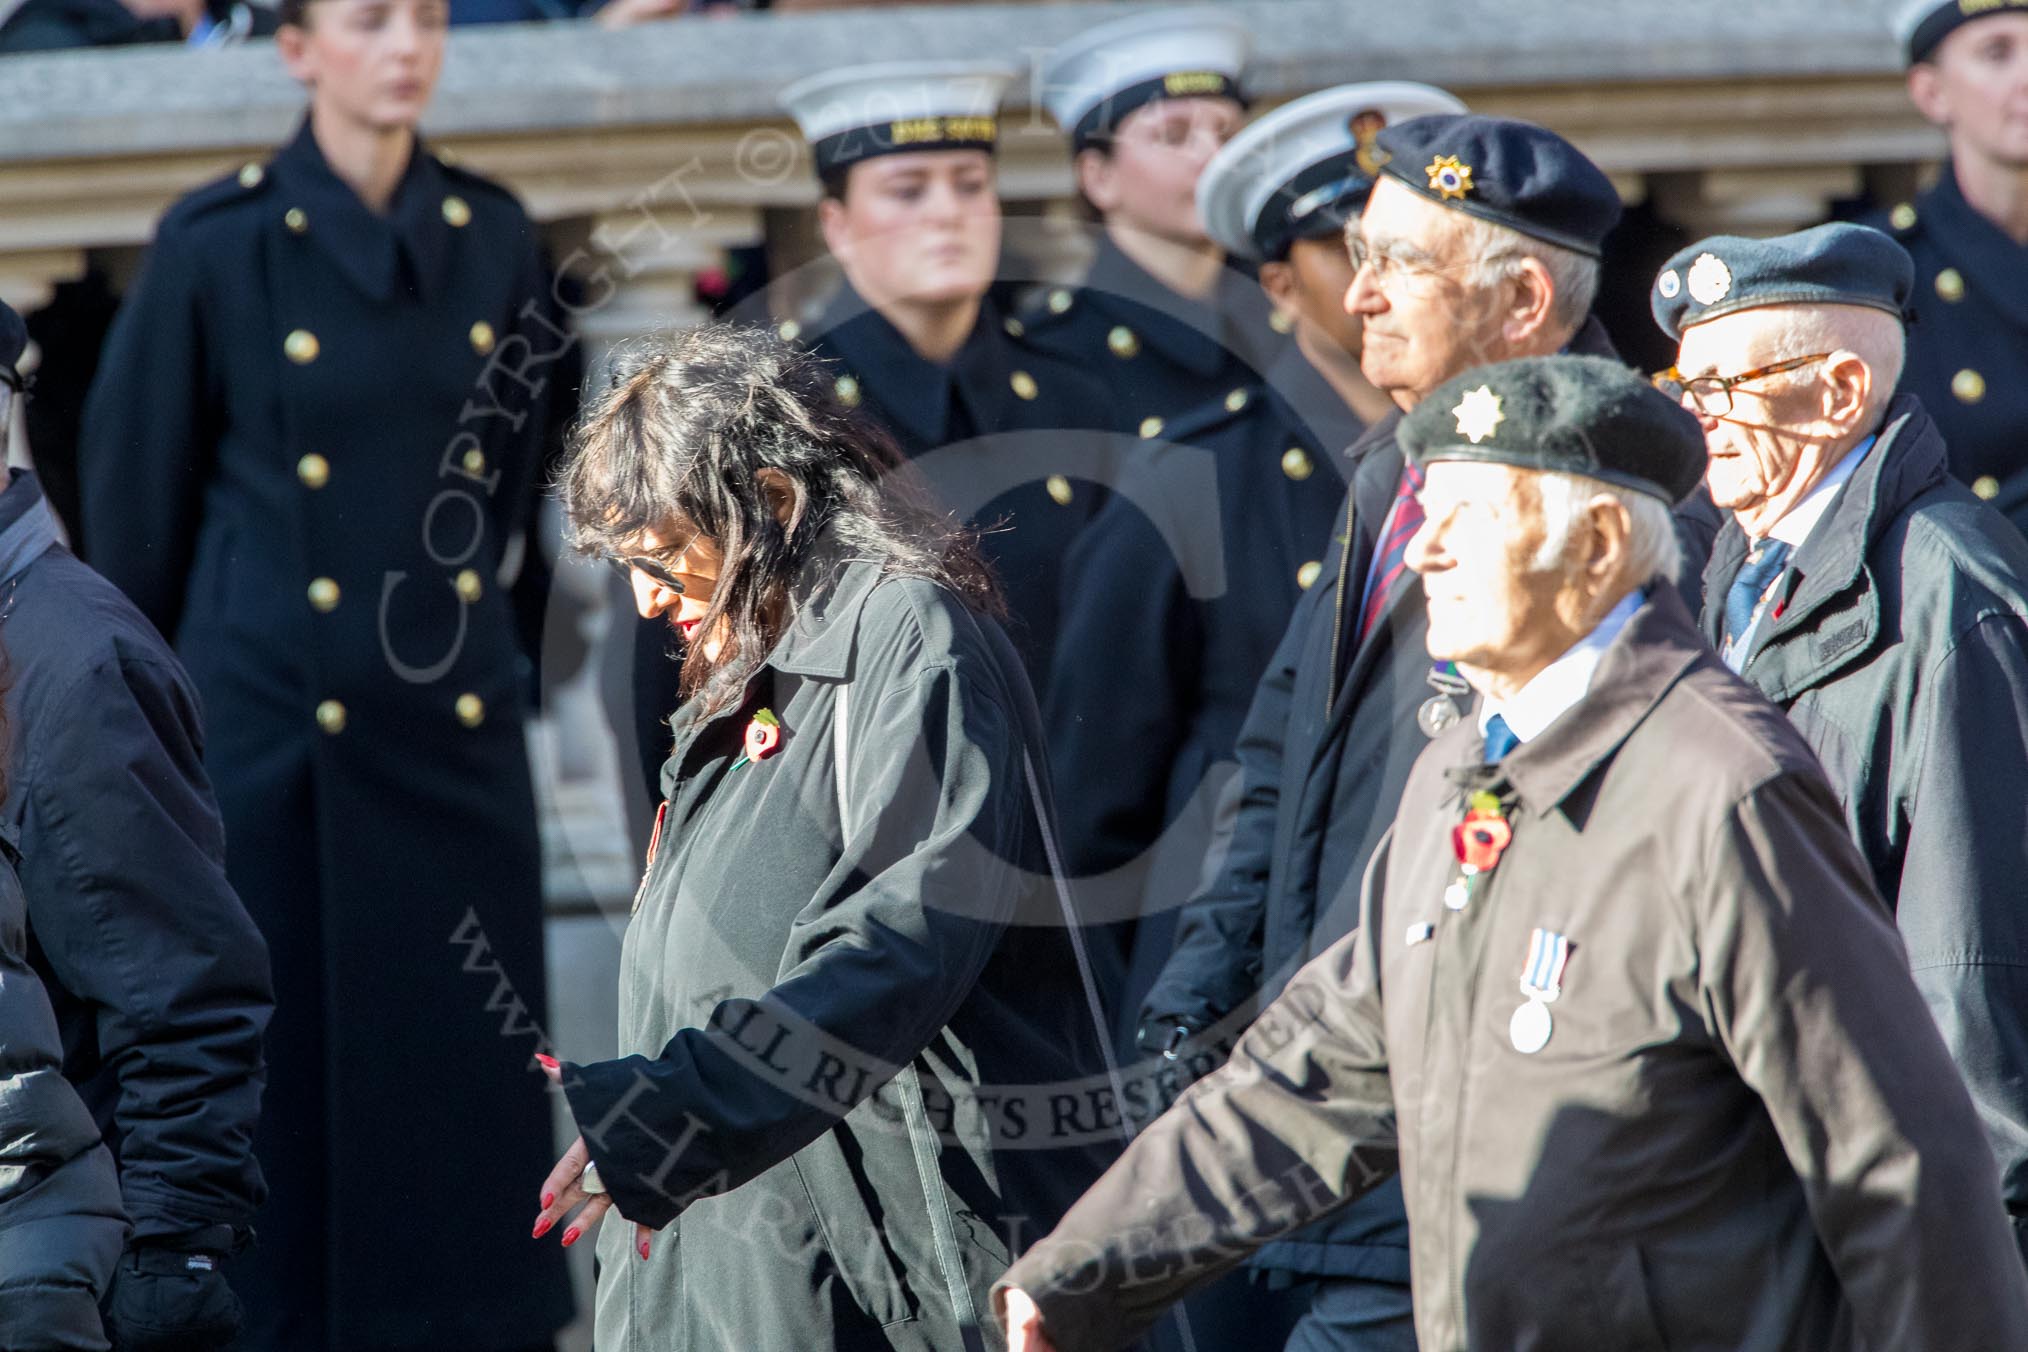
pixel 1024 1323
pixel 563 1190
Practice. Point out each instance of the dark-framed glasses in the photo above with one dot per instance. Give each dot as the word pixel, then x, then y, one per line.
pixel 658 573
pixel 1712 395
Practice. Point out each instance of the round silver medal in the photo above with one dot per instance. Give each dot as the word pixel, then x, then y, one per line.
pixel 1530 1027
pixel 1437 713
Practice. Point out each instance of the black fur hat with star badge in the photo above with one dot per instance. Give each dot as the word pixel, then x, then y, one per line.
pixel 1564 414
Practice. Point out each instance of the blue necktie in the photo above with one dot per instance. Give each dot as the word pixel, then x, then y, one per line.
pixel 1500 739
pixel 1742 600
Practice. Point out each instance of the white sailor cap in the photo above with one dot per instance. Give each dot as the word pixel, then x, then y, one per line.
pixel 1922 24
pixel 1092 82
pixel 854 114
pixel 1303 170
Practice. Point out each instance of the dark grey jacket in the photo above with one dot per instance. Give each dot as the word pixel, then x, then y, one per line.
pixel 1901 652
pixel 858 1055
pixel 1743 1134
pixel 159 977
pixel 61 1226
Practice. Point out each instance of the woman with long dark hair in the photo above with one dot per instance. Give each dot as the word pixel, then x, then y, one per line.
pixel 851 986
pixel 316 431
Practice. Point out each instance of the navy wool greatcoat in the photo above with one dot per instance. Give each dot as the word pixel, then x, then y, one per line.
pixel 308 445
pixel 859 1070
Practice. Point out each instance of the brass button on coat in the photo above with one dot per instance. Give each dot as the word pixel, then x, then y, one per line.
pixel 471 710
pixel 475 462
pixel 1281 323
pixel 1014 327
pixel 788 330
pixel 300 347
pixel 1024 384
pixel 1986 486
pixel 1296 463
pixel 331 717
pixel 1307 574
pixel 457 211
pixel 1059 301
pixel 324 595
pixel 314 470
pixel 1123 341
pixel 1950 285
pixel 1235 401
pixel 1151 428
pixel 482 337
pixel 470 588
pixel 1969 386
pixel 297 220
pixel 1902 217
pixel 250 175
pixel 847 390
pixel 1059 489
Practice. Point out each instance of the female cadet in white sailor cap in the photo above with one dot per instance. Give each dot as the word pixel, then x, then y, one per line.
pixel 1146 102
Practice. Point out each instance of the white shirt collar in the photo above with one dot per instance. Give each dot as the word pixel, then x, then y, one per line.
pixel 1802 518
pixel 1566 680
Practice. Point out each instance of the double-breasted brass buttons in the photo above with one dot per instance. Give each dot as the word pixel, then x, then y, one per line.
pixel 331 717
pixel 323 595
pixel 457 212
pixel 482 338
pixel 1986 486
pixel 1059 489
pixel 470 709
pixel 1950 285
pixel 1235 401
pixel 847 390
pixel 1014 327
pixel 788 330
pixel 474 461
pixel 1902 217
pixel 1151 428
pixel 470 588
pixel 1024 384
pixel 250 175
pixel 1123 341
pixel 1059 301
pixel 314 470
pixel 1969 386
pixel 1306 576
pixel 1296 463
pixel 297 220
pixel 301 347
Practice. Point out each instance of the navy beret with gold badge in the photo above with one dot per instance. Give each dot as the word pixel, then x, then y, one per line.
pixel 1925 23
pixel 1511 173
pixel 1835 264
pixel 1565 414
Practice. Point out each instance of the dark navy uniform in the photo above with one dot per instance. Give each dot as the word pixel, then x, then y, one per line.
pixel 313 433
pixel 1968 349
pixel 1173 604
pixel 1160 354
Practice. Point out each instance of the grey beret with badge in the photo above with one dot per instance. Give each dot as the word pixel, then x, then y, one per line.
pixel 1091 83
pixel 1511 173
pixel 1306 168
pixel 1834 264
pixel 1563 414
pixel 1923 24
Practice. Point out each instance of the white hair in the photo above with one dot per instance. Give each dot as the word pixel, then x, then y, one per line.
pixel 1652 547
pixel 1498 250
pixel 1874 336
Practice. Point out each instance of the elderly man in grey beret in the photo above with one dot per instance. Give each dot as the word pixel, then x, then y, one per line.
pixel 1883 606
pixel 1623 1009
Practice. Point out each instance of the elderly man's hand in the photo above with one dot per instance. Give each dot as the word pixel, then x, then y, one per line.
pixel 1024 1324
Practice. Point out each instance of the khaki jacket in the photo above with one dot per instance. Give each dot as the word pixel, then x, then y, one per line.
pixel 1743 1133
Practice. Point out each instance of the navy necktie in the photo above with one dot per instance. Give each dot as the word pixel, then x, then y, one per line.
pixel 1500 739
pixel 1763 565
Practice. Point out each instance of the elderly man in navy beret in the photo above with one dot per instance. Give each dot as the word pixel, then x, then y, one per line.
pixel 1883 605
pixel 1622 1008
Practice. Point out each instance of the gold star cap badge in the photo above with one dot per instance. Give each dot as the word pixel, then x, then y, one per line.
pixel 1449 178
pixel 1478 413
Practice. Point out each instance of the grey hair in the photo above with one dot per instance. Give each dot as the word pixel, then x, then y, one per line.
pixel 1874 336
pixel 1652 547
pixel 1573 277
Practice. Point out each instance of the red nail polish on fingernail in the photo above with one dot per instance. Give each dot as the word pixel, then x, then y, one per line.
pixel 549 1061
pixel 542 1225
pixel 644 1250
pixel 548 1200
pixel 570 1236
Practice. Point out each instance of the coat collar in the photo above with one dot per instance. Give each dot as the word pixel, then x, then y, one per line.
pixel 1189 333
pixel 934 404
pixel 820 637
pixel 1829 574
pixel 27 525
pixel 1650 655
pixel 1312 402
pixel 380 255
pixel 1990 260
